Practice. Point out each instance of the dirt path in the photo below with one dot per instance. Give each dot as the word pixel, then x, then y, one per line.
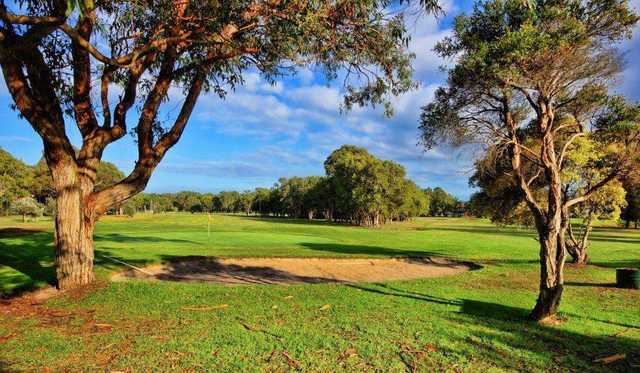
pixel 235 271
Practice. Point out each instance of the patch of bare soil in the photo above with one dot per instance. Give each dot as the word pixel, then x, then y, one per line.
pixel 236 271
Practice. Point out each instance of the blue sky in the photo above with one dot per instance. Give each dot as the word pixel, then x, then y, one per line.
pixel 261 132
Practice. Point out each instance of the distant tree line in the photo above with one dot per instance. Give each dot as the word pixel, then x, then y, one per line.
pixel 28 190
pixel 357 189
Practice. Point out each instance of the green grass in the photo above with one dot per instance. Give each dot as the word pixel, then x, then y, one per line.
pixel 469 322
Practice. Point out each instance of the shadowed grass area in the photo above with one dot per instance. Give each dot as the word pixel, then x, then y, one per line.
pixel 469 322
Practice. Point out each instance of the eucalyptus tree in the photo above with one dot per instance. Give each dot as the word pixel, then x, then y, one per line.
pixel 502 201
pixel 536 73
pixel 52 52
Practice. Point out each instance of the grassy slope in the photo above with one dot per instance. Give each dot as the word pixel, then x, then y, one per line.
pixel 467 322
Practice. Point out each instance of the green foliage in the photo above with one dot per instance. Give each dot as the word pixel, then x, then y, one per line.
pixel 27 206
pixel 440 202
pixel 631 213
pixel 187 201
pixel 368 191
pixel 129 209
pixel 360 36
pixel 18 179
pixel 50 207
pixel 107 174
pixel 42 186
pixel 549 61
pixel 83 7
pixel 15 179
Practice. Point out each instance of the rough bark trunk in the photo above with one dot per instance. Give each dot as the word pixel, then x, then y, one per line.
pixel 551 228
pixel 551 278
pixel 74 231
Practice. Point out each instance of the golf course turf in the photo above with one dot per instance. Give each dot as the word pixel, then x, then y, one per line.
pixel 471 321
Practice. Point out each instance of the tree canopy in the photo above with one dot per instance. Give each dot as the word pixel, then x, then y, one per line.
pixel 52 52
pixel 530 80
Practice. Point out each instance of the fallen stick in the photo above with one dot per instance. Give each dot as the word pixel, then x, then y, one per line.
pixel 611 359
pixel 205 308
pixel 129 265
pixel 291 361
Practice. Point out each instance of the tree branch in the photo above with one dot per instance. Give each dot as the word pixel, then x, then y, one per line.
pixel 82 105
pixel 612 175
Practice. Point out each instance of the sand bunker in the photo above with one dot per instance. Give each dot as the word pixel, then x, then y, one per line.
pixel 236 271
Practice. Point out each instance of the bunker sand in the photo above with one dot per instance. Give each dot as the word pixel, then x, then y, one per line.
pixel 239 271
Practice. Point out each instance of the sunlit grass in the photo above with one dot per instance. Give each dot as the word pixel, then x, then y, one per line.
pixel 469 322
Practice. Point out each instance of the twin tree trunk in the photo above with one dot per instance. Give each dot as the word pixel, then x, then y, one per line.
pixel 577 247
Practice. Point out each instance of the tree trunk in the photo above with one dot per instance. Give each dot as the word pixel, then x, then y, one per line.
pixel 551 278
pixel 74 231
pixel 580 256
pixel 577 247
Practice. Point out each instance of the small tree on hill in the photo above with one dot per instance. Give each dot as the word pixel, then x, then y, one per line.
pixel 27 207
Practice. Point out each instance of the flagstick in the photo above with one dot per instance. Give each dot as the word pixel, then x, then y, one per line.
pixel 208 227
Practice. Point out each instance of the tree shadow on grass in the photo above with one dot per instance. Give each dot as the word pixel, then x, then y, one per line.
pixel 386 289
pixel 493 231
pixel 604 238
pixel 123 238
pixel 16 232
pixel 617 263
pixel 591 284
pixel 497 330
pixel 31 255
pixel 575 351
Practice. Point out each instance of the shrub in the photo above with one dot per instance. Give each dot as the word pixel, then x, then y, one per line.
pixel 27 206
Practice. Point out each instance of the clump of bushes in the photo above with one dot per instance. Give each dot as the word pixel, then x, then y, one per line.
pixel 27 207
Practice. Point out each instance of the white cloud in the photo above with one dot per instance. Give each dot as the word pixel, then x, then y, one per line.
pixel 15 139
pixel 316 97
pixel 253 82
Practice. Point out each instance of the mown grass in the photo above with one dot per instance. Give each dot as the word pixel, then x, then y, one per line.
pixel 469 322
